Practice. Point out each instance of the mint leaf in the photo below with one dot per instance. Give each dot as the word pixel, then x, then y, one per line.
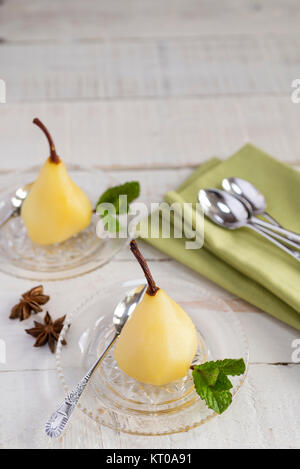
pixel 232 367
pixel 211 376
pixel 215 399
pixel 111 195
pixel 212 384
pixel 223 383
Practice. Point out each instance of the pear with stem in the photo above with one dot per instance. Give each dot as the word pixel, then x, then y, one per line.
pixel 159 341
pixel 55 208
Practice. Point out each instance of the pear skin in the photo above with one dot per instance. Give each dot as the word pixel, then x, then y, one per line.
pixel 158 342
pixel 55 208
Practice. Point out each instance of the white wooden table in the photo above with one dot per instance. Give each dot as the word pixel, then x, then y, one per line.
pixel 147 90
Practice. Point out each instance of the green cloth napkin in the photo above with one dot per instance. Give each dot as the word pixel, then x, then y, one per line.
pixel 241 261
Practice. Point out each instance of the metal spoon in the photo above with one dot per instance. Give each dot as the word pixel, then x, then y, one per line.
pixel 228 211
pixel 59 419
pixel 263 228
pixel 13 206
pixel 248 191
pixel 242 188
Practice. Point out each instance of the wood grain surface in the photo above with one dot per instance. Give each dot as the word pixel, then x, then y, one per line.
pixel 148 90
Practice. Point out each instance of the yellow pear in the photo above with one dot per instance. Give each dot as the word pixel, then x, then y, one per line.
pixel 159 340
pixel 55 208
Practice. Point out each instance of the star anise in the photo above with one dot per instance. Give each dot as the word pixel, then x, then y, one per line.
pixel 47 332
pixel 31 301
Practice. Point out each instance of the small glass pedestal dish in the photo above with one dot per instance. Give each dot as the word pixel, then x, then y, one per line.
pixel 114 399
pixel 80 254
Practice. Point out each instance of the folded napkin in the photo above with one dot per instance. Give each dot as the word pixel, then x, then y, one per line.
pixel 242 261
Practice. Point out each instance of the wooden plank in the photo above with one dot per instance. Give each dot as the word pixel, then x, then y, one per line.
pixel 251 422
pixel 73 19
pixel 29 397
pixel 262 416
pixel 149 134
pixel 133 68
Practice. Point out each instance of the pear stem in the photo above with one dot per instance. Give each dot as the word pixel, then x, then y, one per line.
pixel 54 158
pixel 152 288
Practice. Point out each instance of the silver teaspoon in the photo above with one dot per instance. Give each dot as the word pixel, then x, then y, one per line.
pixel 246 190
pixel 59 419
pixel 264 228
pixel 12 207
pixel 228 211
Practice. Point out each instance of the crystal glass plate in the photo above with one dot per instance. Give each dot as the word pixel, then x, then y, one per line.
pixel 80 254
pixel 122 403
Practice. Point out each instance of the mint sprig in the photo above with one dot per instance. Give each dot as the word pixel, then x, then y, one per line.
pixel 213 385
pixel 112 196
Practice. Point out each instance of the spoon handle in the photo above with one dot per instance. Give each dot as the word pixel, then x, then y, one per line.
pixel 291 252
pixel 59 419
pixel 5 219
pixel 280 238
pixel 271 219
pixel 287 233
pixel 6 213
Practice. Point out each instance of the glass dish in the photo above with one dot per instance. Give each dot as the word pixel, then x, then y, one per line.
pixel 118 401
pixel 82 253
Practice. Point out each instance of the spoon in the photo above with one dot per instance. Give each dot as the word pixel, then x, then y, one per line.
pixel 59 419
pixel 228 211
pixel 264 229
pixel 15 204
pixel 246 190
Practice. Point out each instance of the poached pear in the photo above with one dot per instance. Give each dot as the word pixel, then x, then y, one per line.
pixel 55 208
pixel 159 341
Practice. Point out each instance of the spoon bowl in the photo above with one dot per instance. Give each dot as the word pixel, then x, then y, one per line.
pixel 242 188
pixel 125 308
pixel 250 195
pixel 223 208
pixel 12 206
